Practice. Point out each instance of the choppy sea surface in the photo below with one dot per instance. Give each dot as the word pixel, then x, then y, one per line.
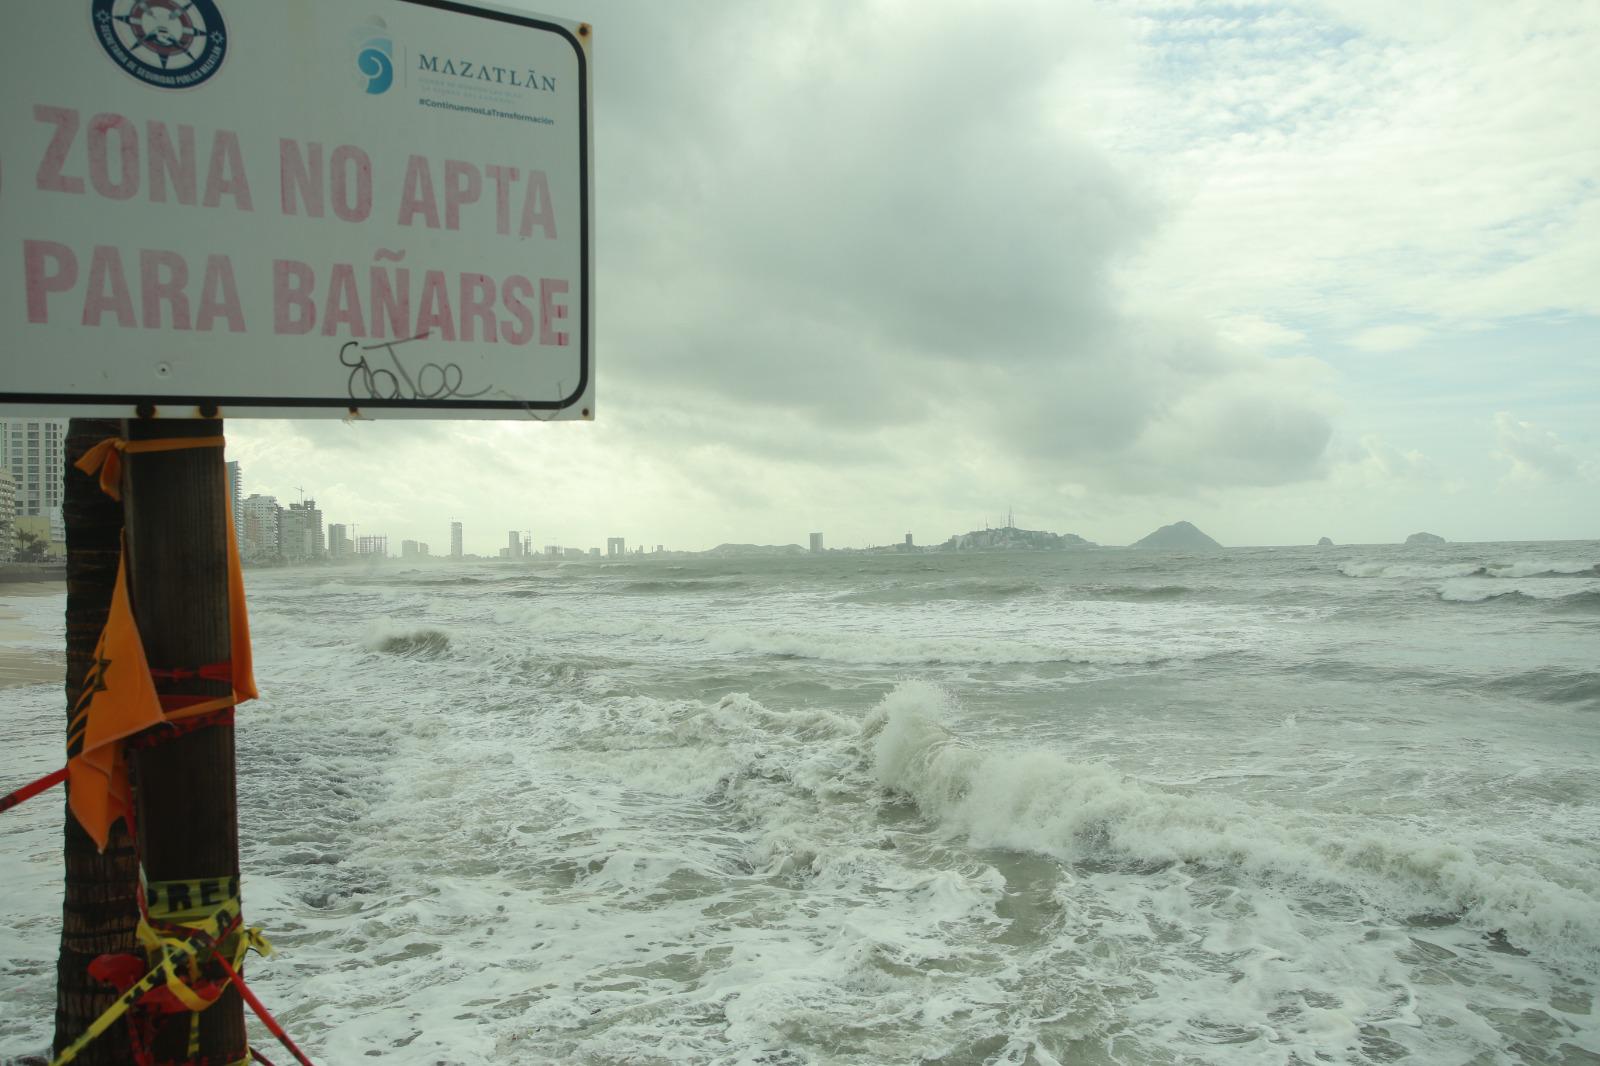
pixel 1333 805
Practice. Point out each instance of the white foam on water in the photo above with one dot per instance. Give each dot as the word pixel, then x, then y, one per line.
pixel 1040 801
pixel 1368 568
pixel 1518 569
pixel 30 875
pixel 1266 932
pixel 1536 567
pixel 33 622
pixel 491 850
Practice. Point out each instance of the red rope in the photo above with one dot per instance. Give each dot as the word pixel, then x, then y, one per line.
pixel 160 734
pixel 33 788
pixel 210 672
pixel 149 738
pixel 261 1011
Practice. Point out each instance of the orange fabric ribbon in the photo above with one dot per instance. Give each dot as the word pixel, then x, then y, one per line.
pixel 106 457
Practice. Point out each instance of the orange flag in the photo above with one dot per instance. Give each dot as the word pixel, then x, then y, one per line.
pixel 118 700
pixel 119 697
pixel 244 675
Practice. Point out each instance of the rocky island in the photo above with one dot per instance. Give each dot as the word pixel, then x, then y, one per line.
pixel 1011 538
pixel 1425 538
pixel 1180 536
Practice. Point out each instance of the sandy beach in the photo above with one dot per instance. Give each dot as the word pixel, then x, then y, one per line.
pixel 25 655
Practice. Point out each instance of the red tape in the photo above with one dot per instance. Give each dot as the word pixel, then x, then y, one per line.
pixel 160 734
pixel 33 788
pixel 149 738
pixel 261 1012
pixel 208 672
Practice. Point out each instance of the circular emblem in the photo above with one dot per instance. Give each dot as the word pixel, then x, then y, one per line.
pixel 171 44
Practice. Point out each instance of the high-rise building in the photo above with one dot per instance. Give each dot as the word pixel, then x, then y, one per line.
pixel 261 526
pixel 376 547
pixel 908 540
pixel 8 516
pixel 339 545
pixel 300 531
pixel 513 545
pixel 236 502
pixel 816 542
pixel 455 540
pixel 34 452
pixel 408 549
pixel 616 546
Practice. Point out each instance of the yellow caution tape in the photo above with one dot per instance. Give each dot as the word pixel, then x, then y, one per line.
pixel 199 911
pixel 197 904
pixel 183 949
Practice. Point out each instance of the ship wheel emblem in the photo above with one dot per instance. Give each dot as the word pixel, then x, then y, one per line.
pixel 171 44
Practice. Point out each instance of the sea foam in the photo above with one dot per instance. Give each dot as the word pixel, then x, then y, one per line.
pixel 1044 802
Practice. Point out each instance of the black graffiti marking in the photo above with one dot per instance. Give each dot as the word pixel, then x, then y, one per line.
pixel 432 381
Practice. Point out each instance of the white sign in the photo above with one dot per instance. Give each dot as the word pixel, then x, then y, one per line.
pixel 284 208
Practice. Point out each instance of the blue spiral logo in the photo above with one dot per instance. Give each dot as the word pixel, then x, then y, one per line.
pixel 375 60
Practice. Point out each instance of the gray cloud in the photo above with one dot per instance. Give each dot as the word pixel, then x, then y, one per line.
pixel 1534 453
pixel 872 216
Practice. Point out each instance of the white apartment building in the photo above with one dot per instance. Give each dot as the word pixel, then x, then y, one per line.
pixel 259 516
pixel 8 514
pixel 236 503
pixel 34 453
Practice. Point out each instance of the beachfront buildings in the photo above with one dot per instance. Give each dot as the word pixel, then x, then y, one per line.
pixel 8 514
pixel 339 544
pixel 259 516
pixel 235 502
pixel 34 453
pixel 300 532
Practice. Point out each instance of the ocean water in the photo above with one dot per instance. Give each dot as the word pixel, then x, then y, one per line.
pixel 1336 805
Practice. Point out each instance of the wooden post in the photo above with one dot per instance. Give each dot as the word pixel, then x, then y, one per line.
pixel 185 788
pixel 98 911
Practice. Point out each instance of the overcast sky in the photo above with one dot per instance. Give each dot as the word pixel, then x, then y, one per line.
pixel 1282 270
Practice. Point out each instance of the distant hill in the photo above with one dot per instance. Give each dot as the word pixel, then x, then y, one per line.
pixel 1180 536
pixel 1426 538
pixel 755 549
pixel 1324 543
pixel 1013 539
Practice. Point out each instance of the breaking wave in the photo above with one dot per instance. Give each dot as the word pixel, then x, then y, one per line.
pixel 416 643
pixel 1081 814
pixel 962 591
pixel 1480 589
pixel 850 647
pixel 1575 687
pixel 1541 568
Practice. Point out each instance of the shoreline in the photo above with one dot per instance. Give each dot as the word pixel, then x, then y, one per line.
pixel 27 665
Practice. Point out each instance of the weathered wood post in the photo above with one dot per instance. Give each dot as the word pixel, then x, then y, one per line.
pixel 188 823
pixel 98 911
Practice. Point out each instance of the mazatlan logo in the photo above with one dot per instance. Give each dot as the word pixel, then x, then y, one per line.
pixel 171 44
pixel 375 57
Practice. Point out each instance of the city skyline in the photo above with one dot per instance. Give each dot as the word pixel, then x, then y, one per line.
pixel 297 532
